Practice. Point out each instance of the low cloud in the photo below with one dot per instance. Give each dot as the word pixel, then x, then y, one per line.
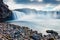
pixel 32 4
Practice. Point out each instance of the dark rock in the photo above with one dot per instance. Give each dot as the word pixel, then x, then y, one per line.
pixel 52 32
pixel 5 13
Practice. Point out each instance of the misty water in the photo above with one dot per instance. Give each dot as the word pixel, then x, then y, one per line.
pixel 35 21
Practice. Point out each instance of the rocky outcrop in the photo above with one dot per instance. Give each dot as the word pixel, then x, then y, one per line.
pixel 5 13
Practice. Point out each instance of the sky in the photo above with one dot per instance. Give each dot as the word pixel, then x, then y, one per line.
pixel 45 5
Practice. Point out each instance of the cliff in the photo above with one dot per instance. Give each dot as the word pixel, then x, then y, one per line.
pixel 5 13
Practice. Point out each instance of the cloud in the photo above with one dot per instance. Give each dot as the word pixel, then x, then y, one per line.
pixel 37 1
pixel 12 5
pixel 40 0
pixel 32 4
pixel 57 0
pixel 19 6
pixel 28 1
pixel 52 1
pixel 57 8
pixel 48 7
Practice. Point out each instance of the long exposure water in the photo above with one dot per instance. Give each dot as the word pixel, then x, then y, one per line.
pixel 35 21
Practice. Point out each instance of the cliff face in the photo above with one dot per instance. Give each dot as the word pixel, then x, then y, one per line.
pixel 5 13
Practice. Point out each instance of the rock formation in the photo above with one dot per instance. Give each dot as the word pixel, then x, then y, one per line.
pixel 14 32
pixel 5 13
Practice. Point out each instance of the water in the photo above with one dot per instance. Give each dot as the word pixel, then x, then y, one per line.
pixel 39 22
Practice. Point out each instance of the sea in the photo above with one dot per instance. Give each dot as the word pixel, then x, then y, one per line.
pixel 36 22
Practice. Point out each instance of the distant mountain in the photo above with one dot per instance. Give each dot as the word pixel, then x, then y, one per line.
pixel 54 14
pixel 26 10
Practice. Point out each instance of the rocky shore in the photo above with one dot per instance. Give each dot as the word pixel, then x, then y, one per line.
pixel 15 32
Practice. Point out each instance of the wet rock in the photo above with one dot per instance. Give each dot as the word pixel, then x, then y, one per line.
pixel 15 32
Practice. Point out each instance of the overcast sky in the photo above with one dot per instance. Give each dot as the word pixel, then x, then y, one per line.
pixel 34 4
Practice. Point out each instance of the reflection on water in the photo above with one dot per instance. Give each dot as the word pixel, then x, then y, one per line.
pixel 41 22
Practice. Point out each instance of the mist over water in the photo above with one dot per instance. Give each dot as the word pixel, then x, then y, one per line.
pixel 34 16
pixel 35 21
